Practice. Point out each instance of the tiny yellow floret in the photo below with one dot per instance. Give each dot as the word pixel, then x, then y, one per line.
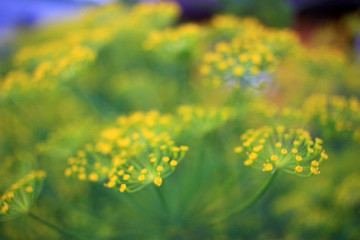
pixel 258 148
pixel 10 195
pixel 238 149
pixel 122 187
pixel 239 71
pixel 93 177
pixel 5 208
pixel 284 151
pixel 253 156
pixel 82 176
pixel 68 172
pixel 268 167
pixel 248 162
pixel 314 170
pixel 29 189
pixel 158 181
pixel 299 169
pixel 184 148
pixel 315 163
pixel 141 178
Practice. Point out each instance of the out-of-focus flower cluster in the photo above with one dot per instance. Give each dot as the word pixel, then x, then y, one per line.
pixel 248 54
pixel 155 14
pixel 237 63
pixel 18 199
pixel 198 120
pixel 52 61
pixel 183 94
pixel 334 113
pixel 138 151
pixel 180 42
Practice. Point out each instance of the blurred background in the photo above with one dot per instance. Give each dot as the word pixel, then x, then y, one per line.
pixel 306 16
pixel 65 75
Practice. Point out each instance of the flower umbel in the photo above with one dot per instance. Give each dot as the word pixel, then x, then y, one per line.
pixel 137 152
pixel 236 63
pixel 290 150
pixel 18 199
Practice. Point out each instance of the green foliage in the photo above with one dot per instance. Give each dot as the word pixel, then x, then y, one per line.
pixel 135 121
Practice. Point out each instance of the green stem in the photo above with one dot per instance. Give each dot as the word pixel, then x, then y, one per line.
pixel 241 208
pixel 61 230
pixel 162 199
pixel 52 226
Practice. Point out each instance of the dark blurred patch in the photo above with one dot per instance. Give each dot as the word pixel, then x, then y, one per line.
pixel 197 10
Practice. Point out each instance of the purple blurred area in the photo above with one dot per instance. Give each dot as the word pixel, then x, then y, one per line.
pixel 199 9
pixel 324 7
pixel 15 14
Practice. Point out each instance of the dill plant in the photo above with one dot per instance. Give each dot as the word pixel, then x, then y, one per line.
pixel 168 163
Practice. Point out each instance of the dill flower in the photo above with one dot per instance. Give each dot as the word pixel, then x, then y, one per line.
pixel 18 199
pixel 289 150
pixel 281 42
pixel 240 62
pixel 268 112
pixel 333 113
pixel 175 42
pixel 155 14
pixel 230 26
pixel 138 151
pixel 66 67
pixel 199 120
pixel 14 81
pixel 323 61
pixel 49 64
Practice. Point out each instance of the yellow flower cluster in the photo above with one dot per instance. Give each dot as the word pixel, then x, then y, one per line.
pixel 236 63
pixel 201 119
pixel 320 60
pixel 138 151
pixel 156 14
pixel 271 112
pixel 347 194
pixel 335 112
pixel 15 79
pixel 248 49
pixel 48 70
pixel 175 41
pixel 229 26
pixel 63 59
pixel 19 197
pixel 289 150
pixel 281 42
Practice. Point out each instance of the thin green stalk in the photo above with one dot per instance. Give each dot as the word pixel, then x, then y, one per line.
pixel 241 208
pixel 52 226
pixel 60 230
pixel 162 199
